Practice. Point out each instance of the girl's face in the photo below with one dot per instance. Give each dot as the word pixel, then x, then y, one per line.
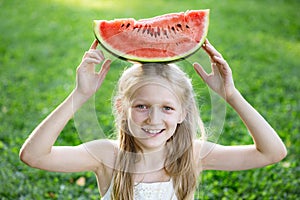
pixel 153 116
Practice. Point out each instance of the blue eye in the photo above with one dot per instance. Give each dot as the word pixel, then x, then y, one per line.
pixel 141 107
pixel 168 108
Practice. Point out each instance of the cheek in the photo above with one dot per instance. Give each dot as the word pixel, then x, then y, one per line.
pixel 172 121
pixel 175 118
pixel 137 117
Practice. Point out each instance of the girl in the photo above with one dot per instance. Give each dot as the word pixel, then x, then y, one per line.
pixel 157 154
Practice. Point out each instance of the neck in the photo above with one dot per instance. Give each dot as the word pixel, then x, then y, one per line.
pixel 151 161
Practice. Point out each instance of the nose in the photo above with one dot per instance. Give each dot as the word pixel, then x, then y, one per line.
pixel 155 115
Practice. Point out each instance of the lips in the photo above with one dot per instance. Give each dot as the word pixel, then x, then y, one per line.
pixel 153 132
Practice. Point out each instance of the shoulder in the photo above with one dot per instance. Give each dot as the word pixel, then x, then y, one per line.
pixel 104 151
pixel 198 145
pixel 202 151
pixel 203 148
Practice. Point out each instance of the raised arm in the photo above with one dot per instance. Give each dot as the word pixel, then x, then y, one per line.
pixel 38 150
pixel 267 148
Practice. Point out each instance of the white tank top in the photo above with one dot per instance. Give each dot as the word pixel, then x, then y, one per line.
pixel 150 191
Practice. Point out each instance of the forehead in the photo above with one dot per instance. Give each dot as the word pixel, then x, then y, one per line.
pixel 155 93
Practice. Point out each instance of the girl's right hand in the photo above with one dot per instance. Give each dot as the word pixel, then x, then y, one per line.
pixel 88 81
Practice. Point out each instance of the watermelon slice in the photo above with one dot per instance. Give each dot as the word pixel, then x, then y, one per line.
pixel 163 38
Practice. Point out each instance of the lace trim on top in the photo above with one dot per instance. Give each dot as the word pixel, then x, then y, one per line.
pixel 150 191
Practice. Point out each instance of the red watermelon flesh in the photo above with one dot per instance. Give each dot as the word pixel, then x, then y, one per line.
pixel 163 38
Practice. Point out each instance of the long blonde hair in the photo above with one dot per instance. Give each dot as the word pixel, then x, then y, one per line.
pixel 179 162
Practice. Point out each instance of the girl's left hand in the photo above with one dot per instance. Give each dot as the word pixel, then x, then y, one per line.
pixel 220 79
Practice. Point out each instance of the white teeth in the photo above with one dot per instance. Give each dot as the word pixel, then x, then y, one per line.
pixel 153 131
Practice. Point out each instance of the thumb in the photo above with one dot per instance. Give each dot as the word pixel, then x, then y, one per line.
pixel 200 71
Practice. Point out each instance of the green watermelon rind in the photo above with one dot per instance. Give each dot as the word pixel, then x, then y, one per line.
pixel 128 57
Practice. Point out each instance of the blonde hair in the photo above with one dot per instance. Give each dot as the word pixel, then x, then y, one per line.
pixel 179 162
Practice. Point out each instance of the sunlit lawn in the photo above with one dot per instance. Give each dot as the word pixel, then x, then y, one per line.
pixel 42 42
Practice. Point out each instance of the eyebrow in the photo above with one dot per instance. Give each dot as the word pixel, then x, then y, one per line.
pixel 164 102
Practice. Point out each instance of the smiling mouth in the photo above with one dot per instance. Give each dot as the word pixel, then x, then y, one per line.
pixel 153 131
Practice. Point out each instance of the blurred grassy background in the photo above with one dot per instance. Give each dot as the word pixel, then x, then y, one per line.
pixel 42 42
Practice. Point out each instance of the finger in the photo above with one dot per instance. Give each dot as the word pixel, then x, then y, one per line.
pixel 94 44
pixel 202 73
pixel 223 66
pixel 105 67
pixel 211 50
pixel 101 54
pixel 215 68
pixel 205 42
pixel 207 48
pixel 102 74
pixel 94 53
pixel 88 61
pixel 219 60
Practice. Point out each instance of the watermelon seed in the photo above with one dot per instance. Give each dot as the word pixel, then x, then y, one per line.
pixel 139 28
pixel 127 25
pixel 179 26
pixel 165 33
pixel 152 31
pixel 187 26
pixel 145 28
pixel 122 25
pixel 173 29
pixel 158 31
pixel 149 30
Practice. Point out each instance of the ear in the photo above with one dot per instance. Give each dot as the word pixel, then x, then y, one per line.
pixel 118 105
pixel 120 108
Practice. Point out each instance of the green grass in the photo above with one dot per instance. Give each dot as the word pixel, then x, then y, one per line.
pixel 42 42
